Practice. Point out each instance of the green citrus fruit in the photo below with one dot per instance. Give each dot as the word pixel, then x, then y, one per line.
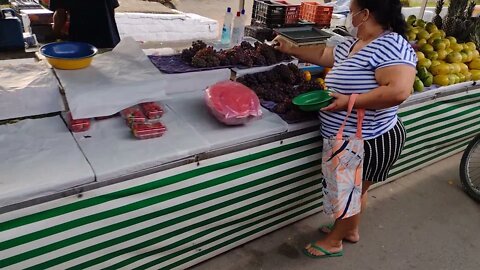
pixel 454 57
pixel 424 63
pixel 441 80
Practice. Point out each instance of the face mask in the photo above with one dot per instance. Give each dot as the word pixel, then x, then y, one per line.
pixel 352 30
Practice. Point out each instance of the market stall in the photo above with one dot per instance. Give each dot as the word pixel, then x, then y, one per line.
pixel 180 213
pixel 110 201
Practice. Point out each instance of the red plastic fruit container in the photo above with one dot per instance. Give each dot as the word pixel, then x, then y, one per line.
pixel 314 12
pixel 133 115
pixel 148 130
pixel 152 110
pixel 78 125
pixel 232 103
pixel 292 12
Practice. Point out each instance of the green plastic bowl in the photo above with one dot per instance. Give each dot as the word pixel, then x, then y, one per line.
pixel 313 101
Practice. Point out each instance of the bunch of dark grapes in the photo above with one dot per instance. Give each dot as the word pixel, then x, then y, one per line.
pixel 281 85
pixel 311 85
pixel 245 45
pixel 256 57
pixel 223 57
pixel 206 58
pixel 188 54
pixel 243 81
pixel 272 76
pixel 300 78
pixel 259 59
pixel 242 56
pixel 251 80
pixel 245 54
pixel 285 73
pixel 281 56
pixel 260 91
pixel 268 52
pixel 262 78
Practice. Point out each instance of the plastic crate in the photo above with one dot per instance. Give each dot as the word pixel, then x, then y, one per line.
pixel 268 13
pixel 292 12
pixel 270 22
pixel 314 12
pixel 254 9
pixel 269 8
pixel 259 33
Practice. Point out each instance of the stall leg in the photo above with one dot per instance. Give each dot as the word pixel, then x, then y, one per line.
pixel 422 9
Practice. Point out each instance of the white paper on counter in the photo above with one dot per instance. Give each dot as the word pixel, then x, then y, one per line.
pixel 239 72
pixel 115 80
pixel 192 109
pixel 27 88
pixel 125 77
pixel 39 157
pixel 113 152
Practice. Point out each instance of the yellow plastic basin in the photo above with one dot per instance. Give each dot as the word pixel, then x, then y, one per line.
pixel 69 55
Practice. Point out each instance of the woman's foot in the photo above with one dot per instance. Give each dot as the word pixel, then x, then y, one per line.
pixel 330 249
pixel 352 237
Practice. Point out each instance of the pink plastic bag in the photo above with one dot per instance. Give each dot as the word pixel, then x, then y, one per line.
pixel 233 103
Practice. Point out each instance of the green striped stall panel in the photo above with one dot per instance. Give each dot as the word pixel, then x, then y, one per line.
pixel 172 219
pixel 179 217
pixel 437 129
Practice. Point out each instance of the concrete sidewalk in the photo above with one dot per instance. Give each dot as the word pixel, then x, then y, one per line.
pixel 421 221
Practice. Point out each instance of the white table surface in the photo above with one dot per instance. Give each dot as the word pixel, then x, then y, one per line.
pixel 39 157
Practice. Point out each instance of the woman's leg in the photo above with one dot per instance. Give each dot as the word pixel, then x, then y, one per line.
pixel 343 229
pixel 391 143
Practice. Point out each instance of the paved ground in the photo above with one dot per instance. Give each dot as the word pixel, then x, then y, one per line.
pixel 422 221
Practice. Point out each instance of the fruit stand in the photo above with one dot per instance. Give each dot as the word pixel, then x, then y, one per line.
pixel 178 213
pixel 102 199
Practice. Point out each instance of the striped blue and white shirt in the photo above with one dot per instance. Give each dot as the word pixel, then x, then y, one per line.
pixel 356 75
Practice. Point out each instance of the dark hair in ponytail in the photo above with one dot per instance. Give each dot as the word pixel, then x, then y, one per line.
pixel 387 13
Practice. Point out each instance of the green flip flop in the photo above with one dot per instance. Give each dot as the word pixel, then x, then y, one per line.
pixel 326 253
pixel 330 227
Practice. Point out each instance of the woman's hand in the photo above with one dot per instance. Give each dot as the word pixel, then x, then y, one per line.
pixel 283 45
pixel 340 103
pixel 317 55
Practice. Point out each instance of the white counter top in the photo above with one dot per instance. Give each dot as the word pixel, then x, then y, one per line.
pixel 39 157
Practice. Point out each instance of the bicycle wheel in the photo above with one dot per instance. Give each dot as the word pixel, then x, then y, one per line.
pixel 470 169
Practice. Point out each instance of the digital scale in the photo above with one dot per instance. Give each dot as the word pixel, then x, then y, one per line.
pixel 309 35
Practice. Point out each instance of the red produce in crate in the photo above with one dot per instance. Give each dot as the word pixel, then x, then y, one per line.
pixel 292 12
pixel 78 125
pixel 148 130
pixel 152 110
pixel 133 115
pixel 232 103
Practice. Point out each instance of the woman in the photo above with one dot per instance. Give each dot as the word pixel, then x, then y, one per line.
pixel 91 21
pixel 379 65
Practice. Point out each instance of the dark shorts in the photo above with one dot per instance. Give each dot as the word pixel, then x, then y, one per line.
pixel 382 152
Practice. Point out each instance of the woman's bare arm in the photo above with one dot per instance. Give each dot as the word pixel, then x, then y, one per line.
pixel 396 83
pixel 318 55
